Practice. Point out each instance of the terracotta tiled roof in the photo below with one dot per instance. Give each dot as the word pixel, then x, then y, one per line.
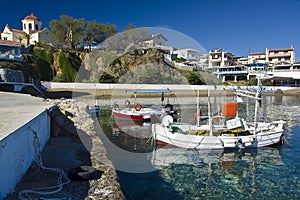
pixel 14 30
pixel 9 43
pixel 32 17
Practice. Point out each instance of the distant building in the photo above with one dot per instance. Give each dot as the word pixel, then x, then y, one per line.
pixel 188 54
pixel 154 40
pixel 31 32
pixel 273 56
pixel 220 58
pixel 240 60
pixel 259 57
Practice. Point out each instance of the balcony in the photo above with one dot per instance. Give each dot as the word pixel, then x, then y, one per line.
pixel 279 55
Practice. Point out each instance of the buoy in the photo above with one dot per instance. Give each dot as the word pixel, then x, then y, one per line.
pixel 137 107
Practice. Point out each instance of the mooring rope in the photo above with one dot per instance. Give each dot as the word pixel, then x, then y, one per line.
pixel 24 194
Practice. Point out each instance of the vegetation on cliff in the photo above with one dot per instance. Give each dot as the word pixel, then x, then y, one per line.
pixel 140 66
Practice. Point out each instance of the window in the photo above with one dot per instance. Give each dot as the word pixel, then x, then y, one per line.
pixel 24 26
pixel 36 27
pixel 30 26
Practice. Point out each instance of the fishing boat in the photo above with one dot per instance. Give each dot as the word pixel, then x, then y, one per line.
pixel 220 131
pixel 136 112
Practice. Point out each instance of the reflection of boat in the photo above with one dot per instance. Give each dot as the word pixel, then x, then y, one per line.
pixel 166 156
pixel 137 112
pixel 220 174
pixel 226 130
pixel 94 110
pixel 137 129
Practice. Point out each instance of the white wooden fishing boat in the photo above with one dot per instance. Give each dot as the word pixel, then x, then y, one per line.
pixel 224 131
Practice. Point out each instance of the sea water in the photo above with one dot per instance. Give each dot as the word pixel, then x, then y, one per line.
pixel 145 172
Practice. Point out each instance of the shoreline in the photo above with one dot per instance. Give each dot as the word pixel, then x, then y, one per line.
pixel 106 90
pixel 121 93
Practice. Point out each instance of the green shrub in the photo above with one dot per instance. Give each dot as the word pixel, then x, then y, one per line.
pixel 69 68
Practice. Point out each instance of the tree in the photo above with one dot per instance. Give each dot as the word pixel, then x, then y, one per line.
pixel 129 27
pixel 20 38
pixel 95 32
pixel 68 30
pixel 127 39
pixel 27 37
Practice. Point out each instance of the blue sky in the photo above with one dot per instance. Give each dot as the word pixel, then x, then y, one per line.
pixel 238 26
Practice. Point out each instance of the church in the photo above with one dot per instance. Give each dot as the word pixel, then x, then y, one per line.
pixel 30 34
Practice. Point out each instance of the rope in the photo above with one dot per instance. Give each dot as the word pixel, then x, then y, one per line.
pixel 24 194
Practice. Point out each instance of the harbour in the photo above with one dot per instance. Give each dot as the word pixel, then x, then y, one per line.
pixel 262 173
pixel 96 105
pixel 140 166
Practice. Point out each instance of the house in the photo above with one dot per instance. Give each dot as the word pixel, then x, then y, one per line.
pixel 273 56
pixel 31 32
pixel 258 57
pixel 154 40
pixel 220 58
pixel 188 54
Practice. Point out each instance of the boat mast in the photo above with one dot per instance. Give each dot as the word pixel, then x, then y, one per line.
pixel 198 111
pixel 257 99
pixel 209 112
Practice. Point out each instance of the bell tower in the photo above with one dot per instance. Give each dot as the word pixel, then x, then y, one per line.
pixel 31 24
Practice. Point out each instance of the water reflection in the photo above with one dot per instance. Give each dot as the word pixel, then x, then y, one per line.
pixel 217 174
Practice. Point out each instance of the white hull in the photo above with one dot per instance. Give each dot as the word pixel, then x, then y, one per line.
pixel 265 137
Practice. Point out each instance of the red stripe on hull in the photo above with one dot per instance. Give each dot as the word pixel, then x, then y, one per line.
pixel 163 144
pixel 129 117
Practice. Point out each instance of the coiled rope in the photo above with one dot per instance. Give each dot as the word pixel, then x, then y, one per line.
pixel 62 178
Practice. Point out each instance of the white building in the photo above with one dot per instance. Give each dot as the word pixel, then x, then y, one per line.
pixel 258 57
pixel 273 56
pixel 154 40
pixel 188 54
pixel 31 29
pixel 220 58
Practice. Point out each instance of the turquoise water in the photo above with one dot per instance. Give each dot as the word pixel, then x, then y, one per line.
pixel 173 173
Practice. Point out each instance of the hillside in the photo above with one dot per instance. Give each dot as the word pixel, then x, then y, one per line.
pixel 139 66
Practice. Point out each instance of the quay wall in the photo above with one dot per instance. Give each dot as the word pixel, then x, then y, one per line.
pixel 108 88
pixel 112 86
pixel 17 151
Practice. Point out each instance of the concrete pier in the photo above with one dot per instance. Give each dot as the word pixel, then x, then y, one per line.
pixel 24 119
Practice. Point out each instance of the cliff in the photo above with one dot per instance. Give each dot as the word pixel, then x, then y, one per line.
pixel 139 66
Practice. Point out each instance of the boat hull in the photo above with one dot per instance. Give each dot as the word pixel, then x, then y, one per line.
pixel 132 117
pixel 163 135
